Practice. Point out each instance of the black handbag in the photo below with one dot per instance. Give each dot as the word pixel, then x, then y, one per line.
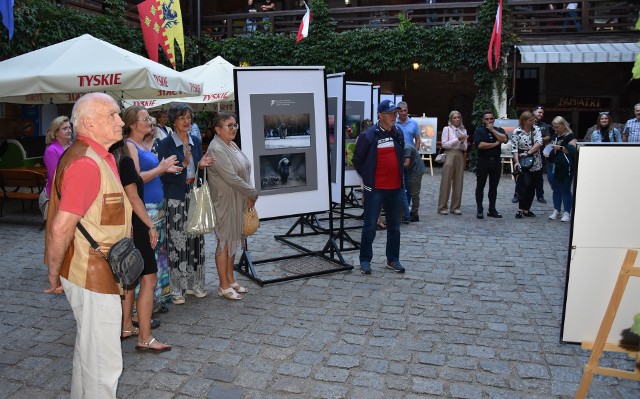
pixel 526 162
pixel 124 258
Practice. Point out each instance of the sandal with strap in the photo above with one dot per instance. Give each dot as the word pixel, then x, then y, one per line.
pixel 238 288
pixel 229 293
pixel 130 333
pixel 146 346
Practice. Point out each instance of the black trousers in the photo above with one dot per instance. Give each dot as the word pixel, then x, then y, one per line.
pixel 491 168
pixel 528 182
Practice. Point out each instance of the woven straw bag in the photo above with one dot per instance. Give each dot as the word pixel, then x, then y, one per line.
pixel 251 222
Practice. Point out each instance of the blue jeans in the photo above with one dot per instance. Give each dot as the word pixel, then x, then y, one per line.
pixel 374 200
pixel 561 190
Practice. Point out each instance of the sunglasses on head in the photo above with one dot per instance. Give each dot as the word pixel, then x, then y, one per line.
pixel 603 113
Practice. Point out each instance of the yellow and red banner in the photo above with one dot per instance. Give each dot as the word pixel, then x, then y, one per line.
pixel 161 23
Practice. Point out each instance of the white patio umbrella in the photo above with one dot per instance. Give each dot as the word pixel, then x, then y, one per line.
pixel 61 73
pixel 217 75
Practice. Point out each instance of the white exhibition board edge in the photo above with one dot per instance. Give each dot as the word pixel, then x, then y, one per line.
pixel 336 88
pixel 285 80
pixel 375 100
pixel 357 91
pixel 604 226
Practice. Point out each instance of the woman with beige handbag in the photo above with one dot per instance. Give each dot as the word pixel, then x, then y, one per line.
pixel 232 194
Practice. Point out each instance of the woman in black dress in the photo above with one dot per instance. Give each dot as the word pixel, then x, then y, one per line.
pixel 145 238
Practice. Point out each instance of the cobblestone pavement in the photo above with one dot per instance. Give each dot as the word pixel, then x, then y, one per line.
pixel 477 315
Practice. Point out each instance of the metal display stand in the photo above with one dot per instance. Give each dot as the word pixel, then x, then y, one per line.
pixel 329 253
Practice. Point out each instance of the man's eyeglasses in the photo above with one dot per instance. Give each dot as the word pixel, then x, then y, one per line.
pixel 603 113
pixel 232 126
pixel 147 119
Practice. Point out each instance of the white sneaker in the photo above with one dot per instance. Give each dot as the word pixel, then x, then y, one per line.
pixel 566 217
pixel 555 215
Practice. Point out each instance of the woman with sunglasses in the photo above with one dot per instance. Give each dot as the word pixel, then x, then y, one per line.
pixel 231 194
pixel 605 132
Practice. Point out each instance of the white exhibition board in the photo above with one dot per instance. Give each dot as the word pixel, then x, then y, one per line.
pixel 604 226
pixel 374 103
pixel 283 132
pixel 335 110
pixel 357 108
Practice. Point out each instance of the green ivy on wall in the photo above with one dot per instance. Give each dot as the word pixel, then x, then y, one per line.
pixel 463 47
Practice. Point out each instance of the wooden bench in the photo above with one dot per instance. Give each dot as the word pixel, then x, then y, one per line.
pixel 20 184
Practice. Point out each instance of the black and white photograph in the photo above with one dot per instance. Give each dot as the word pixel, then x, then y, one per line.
pixel 287 131
pixel 281 122
pixel 283 171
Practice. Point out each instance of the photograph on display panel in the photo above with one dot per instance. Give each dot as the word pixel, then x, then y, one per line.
pixel 287 131
pixel 283 170
pixel 428 128
pixel 332 108
pixel 352 121
pixel 284 122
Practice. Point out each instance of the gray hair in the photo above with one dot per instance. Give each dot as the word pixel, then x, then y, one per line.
pixel 403 104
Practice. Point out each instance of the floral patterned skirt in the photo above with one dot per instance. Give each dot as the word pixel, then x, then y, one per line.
pixel 161 295
pixel 186 253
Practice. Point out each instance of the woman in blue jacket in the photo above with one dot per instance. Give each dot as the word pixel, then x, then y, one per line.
pixel 186 253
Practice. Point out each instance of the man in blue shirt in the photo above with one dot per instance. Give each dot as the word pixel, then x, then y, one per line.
pixel 408 126
pixel 411 134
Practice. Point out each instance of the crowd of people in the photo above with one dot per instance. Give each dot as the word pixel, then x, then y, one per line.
pixel 132 175
pixel 128 176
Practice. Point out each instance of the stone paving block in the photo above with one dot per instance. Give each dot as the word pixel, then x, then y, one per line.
pixel 465 391
pixel 253 380
pixel 220 373
pixel 290 385
pixel 294 369
pixel 432 359
pixel 329 391
pixel 532 371
pixel 427 386
pixel 196 387
pixel 341 361
pixel 491 380
pixel 223 392
pixel 331 374
pixel 450 374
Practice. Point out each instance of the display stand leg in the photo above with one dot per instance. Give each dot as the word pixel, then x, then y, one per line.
pixel 591 368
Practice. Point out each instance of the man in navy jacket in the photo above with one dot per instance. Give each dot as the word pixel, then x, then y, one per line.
pixel 378 160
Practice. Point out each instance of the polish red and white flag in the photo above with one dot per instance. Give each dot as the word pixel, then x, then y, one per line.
pixel 303 30
pixel 493 54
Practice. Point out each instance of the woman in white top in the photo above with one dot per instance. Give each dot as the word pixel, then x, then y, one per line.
pixel 454 141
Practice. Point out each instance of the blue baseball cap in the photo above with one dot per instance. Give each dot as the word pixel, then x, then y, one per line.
pixel 387 106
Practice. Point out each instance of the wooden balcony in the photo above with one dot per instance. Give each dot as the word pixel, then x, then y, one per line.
pixel 532 20
pixel 528 18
